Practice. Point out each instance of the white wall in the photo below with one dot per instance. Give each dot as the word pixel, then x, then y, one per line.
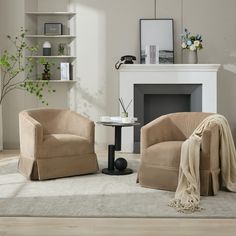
pixel 12 18
pixel 108 29
pixel 216 21
pixel 1 44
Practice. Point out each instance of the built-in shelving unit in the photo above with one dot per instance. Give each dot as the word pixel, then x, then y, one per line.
pixel 37 14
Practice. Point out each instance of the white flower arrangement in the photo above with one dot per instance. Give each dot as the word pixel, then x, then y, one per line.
pixel 191 42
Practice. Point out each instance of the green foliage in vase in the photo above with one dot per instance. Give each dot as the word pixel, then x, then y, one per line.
pixel 17 70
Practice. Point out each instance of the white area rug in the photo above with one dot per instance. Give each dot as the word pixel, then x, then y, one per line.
pixel 96 195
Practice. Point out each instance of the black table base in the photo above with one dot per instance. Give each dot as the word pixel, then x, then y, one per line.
pixel 111 170
pixel 126 171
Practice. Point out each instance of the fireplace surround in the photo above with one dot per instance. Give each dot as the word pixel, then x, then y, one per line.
pixel 194 86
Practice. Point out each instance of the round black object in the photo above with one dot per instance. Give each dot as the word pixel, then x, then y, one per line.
pixel 120 163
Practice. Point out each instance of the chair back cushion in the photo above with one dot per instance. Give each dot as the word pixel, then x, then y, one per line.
pixel 187 122
pixel 54 121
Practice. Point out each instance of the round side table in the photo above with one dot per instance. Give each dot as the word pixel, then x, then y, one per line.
pixel 111 170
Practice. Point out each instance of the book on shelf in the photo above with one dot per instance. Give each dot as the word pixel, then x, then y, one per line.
pixel 66 71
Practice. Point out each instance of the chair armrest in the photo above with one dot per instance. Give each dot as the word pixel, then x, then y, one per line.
pixel 31 135
pixel 210 148
pixel 81 126
pixel 160 130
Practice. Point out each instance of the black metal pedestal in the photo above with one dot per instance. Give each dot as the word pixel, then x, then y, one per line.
pixel 127 171
pixel 111 156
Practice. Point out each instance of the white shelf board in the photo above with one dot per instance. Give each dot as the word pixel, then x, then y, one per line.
pixel 53 57
pixel 50 13
pixel 49 36
pixel 53 81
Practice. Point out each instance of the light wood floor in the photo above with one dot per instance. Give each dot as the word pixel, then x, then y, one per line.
pixel 38 226
pixel 8 154
pixel 112 227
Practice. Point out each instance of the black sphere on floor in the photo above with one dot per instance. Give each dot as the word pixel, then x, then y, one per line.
pixel 120 164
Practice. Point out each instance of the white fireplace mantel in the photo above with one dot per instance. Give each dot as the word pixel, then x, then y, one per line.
pixel 204 74
pixel 169 67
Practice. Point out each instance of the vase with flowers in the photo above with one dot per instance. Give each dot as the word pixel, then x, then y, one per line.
pixel 191 44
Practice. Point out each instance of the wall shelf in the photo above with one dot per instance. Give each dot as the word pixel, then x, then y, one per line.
pixel 54 81
pixel 50 13
pixel 52 57
pixel 50 36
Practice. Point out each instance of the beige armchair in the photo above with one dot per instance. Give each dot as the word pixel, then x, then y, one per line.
pixel 55 143
pixel 161 142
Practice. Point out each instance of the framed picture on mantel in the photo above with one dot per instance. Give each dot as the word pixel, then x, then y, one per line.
pixel 156 41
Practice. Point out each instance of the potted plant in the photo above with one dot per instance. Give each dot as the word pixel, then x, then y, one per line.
pixel 46 72
pixel 61 49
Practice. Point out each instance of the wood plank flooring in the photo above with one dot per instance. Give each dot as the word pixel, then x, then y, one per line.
pixel 8 154
pixel 38 226
pixel 115 226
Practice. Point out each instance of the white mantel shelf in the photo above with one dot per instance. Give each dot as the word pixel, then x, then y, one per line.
pixel 133 74
pixel 169 67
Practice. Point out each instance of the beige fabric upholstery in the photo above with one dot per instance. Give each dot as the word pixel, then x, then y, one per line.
pixel 55 143
pixel 161 142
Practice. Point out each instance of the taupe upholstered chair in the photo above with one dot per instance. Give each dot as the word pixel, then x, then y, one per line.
pixel 161 142
pixel 55 143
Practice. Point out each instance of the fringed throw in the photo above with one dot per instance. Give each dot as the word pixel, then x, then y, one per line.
pixel 187 196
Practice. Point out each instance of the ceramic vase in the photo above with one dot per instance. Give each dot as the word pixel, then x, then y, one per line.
pixel 191 57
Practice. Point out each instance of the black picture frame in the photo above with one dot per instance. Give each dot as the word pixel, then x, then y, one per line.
pixel 166 54
pixel 53 29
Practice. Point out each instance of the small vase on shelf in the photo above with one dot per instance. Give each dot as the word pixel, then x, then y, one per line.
pixel 190 46
pixel 191 57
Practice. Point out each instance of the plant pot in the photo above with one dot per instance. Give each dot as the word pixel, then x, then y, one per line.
pixel 45 76
pixel 190 57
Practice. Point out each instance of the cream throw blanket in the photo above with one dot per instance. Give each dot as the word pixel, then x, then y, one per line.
pixel 187 196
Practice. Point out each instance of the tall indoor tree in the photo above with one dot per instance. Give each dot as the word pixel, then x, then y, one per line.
pixel 17 70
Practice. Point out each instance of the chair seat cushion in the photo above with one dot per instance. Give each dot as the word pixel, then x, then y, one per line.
pixel 166 154
pixel 59 145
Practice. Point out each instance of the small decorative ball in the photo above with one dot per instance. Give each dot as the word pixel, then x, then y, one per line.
pixel 120 163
